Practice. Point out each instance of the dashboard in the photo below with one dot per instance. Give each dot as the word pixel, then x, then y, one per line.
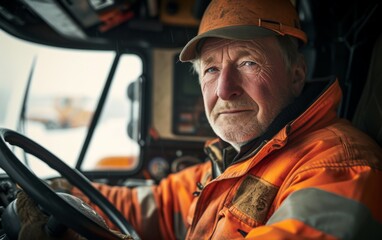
pixel 8 191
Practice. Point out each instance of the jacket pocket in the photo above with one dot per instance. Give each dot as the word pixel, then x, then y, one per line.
pixel 252 200
pixel 230 226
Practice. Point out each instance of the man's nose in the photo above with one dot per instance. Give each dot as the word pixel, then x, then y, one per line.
pixel 229 84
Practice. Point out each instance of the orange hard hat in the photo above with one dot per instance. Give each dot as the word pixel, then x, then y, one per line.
pixel 245 20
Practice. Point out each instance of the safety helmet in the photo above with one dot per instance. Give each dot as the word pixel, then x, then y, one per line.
pixel 245 20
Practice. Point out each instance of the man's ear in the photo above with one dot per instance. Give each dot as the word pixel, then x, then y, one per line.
pixel 298 74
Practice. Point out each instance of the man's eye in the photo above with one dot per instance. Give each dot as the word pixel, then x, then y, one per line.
pixel 210 70
pixel 248 63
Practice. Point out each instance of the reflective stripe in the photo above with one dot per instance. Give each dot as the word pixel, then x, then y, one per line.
pixel 330 213
pixel 149 212
pixel 179 227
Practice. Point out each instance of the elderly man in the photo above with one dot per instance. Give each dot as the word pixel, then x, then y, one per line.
pixel 284 165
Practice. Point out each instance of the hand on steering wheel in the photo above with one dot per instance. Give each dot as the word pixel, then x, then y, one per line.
pixel 49 200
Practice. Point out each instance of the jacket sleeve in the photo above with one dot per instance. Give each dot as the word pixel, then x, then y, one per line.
pixel 158 210
pixel 335 202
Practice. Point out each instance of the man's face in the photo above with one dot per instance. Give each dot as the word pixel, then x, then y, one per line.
pixel 245 85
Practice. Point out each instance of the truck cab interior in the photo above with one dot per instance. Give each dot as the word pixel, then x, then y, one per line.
pixel 95 90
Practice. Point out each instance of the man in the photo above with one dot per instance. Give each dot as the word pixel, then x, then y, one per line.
pixel 284 166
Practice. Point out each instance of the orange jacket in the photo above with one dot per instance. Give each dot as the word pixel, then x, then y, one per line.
pixel 316 178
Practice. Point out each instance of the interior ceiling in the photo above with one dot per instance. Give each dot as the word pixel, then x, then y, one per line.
pixel 101 24
pixel 165 23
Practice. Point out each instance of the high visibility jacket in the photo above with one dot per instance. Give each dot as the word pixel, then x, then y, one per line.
pixel 317 177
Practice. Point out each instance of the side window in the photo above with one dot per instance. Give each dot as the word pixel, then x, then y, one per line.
pixel 111 146
pixel 65 88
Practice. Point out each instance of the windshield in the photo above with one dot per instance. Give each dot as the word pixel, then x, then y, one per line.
pixel 64 91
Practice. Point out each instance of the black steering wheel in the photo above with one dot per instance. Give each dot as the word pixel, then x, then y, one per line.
pixel 49 200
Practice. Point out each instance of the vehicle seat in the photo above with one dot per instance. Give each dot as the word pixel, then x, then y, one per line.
pixel 368 115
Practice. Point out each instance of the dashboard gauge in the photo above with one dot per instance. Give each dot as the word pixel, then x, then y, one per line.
pixel 183 162
pixel 158 168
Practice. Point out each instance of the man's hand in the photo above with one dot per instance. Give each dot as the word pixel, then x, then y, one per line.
pixel 33 221
pixel 60 185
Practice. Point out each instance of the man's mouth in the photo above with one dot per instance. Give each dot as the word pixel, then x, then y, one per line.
pixel 234 111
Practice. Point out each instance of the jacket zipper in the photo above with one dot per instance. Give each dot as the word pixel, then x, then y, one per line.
pixel 200 194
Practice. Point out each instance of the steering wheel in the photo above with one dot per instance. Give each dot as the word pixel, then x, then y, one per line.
pixel 49 200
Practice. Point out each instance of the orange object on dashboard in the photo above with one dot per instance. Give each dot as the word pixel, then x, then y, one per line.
pixel 116 162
